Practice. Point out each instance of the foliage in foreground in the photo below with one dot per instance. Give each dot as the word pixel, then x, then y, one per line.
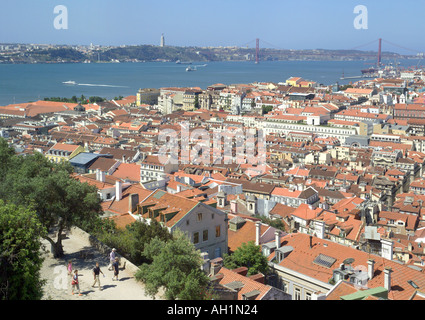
pixel 20 259
pixel 131 241
pixel 176 268
pixel 247 255
pixel 59 200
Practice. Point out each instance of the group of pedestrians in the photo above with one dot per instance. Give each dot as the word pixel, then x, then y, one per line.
pixel 113 266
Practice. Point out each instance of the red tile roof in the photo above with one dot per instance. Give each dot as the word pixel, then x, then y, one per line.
pixel 302 257
pixel 249 285
pixel 129 171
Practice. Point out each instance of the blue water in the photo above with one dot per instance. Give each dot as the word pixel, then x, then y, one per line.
pixel 24 83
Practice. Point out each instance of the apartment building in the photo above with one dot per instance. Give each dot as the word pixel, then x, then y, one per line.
pixel 152 169
pixel 63 152
pixel 205 225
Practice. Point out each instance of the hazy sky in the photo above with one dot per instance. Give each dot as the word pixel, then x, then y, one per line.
pixel 296 24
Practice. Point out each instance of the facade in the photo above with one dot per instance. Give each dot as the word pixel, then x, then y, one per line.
pixel 63 152
pixel 409 111
pixel 190 100
pixel 284 128
pixel 293 197
pixel 151 169
pixel 147 96
pixel 205 225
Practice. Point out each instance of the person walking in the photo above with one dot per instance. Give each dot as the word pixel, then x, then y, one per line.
pixel 112 256
pixel 115 266
pixel 70 268
pixel 96 275
pixel 75 283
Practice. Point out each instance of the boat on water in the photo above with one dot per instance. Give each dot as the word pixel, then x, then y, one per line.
pixel 70 82
pixel 369 70
pixel 183 62
pixel 189 69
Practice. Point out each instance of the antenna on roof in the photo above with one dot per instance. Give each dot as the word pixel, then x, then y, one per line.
pixel 348 261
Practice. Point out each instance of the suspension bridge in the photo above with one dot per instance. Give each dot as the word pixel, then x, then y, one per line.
pixel 378 42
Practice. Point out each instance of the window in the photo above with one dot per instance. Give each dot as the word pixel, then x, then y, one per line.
pixel 205 235
pixel 308 296
pixel 297 294
pixel 199 217
pixel 196 237
pixel 217 231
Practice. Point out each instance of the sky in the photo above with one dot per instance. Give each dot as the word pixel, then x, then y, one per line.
pixel 282 24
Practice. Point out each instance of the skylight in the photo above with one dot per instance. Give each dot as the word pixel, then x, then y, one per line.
pixel 324 261
pixel 414 285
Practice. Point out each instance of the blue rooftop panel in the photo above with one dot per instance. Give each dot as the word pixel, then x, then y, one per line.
pixel 84 158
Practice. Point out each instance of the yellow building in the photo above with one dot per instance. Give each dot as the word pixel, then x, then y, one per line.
pixel 294 81
pixel 63 152
pixel 300 82
pixel 147 96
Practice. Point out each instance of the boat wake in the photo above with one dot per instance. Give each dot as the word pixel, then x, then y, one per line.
pixel 100 85
pixel 92 84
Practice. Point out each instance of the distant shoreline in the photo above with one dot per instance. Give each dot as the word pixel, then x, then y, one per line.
pixel 212 61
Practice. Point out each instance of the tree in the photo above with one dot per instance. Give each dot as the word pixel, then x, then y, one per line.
pixel 59 200
pixel 267 109
pixel 196 102
pixel 83 99
pixel 275 223
pixel 96 99
pixel 20 259
pixel 6 154
pixel 143 233
pixel 247 255
pixel 176 267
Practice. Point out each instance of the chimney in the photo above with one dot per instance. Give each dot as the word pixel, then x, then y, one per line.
pixel 277 238
pixel 133 202
pixel 410 247
pixel 243 271
pixel 101 176
pixel 387 248
pixel 257 233
pixel 118 190
pixel 234 206
pixel 321 227
pixel 216 265
pixel 259 277
pixel 387 278
pixel 370 268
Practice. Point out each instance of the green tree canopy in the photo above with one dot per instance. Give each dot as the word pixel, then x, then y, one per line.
pixel 131 241
pixel 176 267
pixel 59 200
pixel 20 259
pixel 247 255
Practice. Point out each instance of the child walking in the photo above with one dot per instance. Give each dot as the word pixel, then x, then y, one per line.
pixel 70 268
pixel 75 283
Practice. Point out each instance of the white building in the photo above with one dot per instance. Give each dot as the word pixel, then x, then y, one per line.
pixel 151 169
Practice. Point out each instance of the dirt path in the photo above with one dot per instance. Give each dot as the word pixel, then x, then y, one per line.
pixel 84 257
